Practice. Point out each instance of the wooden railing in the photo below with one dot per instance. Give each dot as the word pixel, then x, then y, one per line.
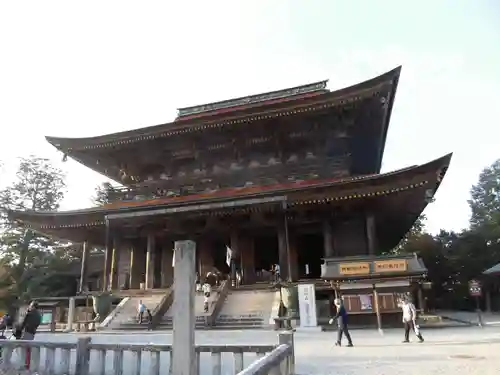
pixel 87 358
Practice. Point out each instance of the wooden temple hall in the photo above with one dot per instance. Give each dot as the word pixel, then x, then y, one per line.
pixel 289 177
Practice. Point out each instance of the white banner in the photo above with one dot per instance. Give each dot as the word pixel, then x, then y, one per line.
pixel 173 258
pixel 307 305
pixel 229 255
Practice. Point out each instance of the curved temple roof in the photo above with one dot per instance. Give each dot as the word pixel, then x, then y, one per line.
pixel 348 188
pixel 237 114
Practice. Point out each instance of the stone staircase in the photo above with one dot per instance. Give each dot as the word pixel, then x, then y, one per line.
pixel 166 322
pixel 126 317
pixel 247 308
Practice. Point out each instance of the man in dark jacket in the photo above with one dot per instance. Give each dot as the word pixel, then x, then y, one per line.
pixel 342 320
pixel 31 321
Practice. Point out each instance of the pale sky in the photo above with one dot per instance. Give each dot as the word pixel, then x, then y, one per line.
pixel 87 68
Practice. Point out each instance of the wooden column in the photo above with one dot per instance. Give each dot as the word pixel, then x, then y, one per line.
pixel 376 305
pixel 247 256
pixel 83 271
pixel 421 299
pixel 235 245
pixel 371 238
pixel 115 262
pixel 294 257
pixel 108 259
pixel 205 257
pixel 283 250
pixel 167 270
pixel 327 239
pixel 150 254
pixel 487 297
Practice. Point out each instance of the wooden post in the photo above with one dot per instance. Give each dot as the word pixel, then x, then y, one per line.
pixel 235 248
pixel 184 356
pixel 370 234
pixel 283 249
pixel 327 239
pixel 82 356
pixel 377 309
pixel 115 265
pixel 150 261
pixel 83 270
pixel 108 258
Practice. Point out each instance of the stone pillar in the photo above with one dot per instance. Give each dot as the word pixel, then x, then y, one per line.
pixel 327 239
pixel 108 259
pixel 150 252
pixel 71 314
pixel 184 357
pixel 205 257
pixel 115 265
pixel 83 271
pixel 283 250
pixel 167 271
pixel 247 256
pixel 371 238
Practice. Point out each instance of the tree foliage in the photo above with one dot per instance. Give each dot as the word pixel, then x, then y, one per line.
pixel 101 196
pixel 29 259
pixel 485 197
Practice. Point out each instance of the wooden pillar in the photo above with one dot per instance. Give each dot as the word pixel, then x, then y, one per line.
pixel 205 257
pixel 283 250
pixel 115 265
pixel 376 305
pixel 167 270
pixel 235 245
pixel 327 239
pixel 247 257
pixel 83 271
pixel 371 239
pixel 108 259
pixel 150 251
pixel 294 257
pixel 421 299
pixel 487 297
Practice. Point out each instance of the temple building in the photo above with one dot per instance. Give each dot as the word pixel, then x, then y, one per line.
pixel 290 177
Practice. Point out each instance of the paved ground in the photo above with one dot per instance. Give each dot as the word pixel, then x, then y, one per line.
pixel 448 351
pixel 488 319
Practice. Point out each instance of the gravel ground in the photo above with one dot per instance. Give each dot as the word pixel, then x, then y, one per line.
pixel 447 351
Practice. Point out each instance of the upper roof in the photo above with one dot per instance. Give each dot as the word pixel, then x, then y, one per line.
pixel 268 105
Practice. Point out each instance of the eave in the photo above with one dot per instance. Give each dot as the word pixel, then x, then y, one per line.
pixel 306 193
pixel 76 147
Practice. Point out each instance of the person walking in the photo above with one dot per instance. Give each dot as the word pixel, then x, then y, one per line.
pixel 28 327
pixel 141 309
pixel 409 320
pixel 342 322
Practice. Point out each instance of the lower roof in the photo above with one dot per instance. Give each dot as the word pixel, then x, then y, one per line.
pixel 427 176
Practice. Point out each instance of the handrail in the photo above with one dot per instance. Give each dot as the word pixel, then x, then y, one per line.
pixel 221 298
pixel 55 358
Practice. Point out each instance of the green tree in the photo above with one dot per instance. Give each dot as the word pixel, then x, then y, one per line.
pixel 485 197
pixel 101 196
pixel 37 186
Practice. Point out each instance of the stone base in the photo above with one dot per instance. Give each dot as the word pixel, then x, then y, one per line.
pixel 308 329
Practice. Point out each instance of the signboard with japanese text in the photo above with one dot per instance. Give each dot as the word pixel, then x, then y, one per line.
pixel 475 288
pixel 393 265
pixel 307 305
pixel 361 268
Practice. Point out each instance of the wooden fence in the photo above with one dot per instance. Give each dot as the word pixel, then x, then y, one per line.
pixel 87 358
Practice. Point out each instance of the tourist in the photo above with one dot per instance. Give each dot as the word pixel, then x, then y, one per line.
pixel 150 319
pixel 27 329
pixel 342 320
pixel 409 320
pixel 141 308
pixel 207 290
pixel 277 273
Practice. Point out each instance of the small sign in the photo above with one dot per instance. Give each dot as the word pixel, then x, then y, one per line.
pixel 475 288
pixel 354 268
pixel 396 265
pixel 307 305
